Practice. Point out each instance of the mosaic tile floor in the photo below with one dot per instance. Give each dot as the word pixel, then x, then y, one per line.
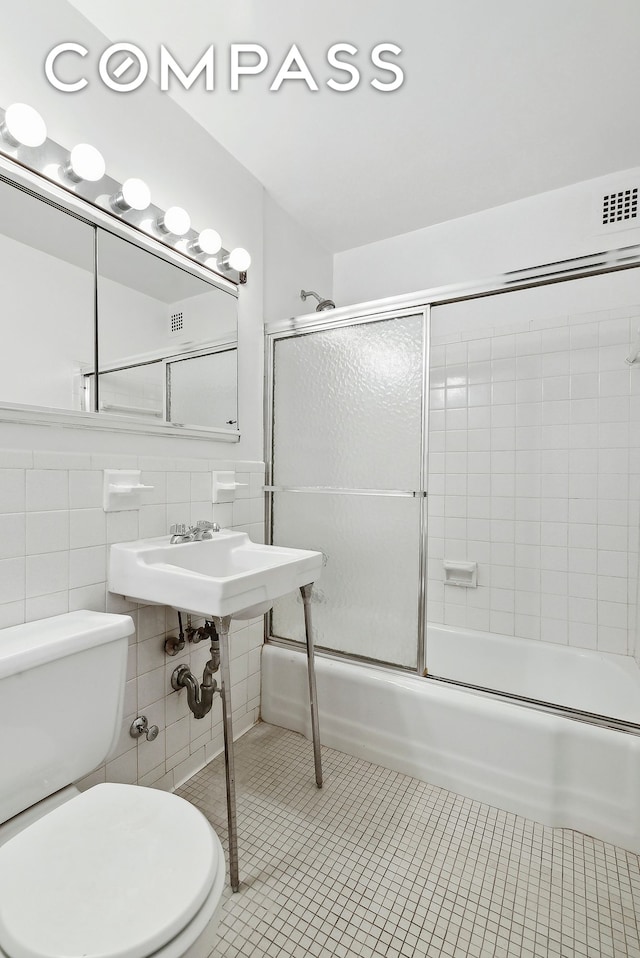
pixel 378 863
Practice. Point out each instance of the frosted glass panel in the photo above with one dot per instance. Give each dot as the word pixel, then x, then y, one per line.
pixel 366 602
pixel 347 406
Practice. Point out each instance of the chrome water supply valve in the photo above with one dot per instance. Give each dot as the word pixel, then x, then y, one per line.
pixel 140 727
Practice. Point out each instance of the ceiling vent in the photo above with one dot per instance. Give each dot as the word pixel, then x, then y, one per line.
pixel 620 208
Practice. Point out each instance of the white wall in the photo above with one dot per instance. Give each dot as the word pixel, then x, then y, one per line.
pixel 293 261
pixel 146 134
pixel 53 533
pixel 54 544
pixel 540 229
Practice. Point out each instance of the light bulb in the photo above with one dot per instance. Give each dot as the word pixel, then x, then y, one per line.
pixel 22 125
pixel 239 259
pixel 85 163
pixel 209 241
pixel 133 195
pixel 175 220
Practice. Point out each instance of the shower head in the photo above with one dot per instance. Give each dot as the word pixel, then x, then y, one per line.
pixel 322 303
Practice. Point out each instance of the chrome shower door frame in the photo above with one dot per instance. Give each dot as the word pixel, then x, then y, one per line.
pixel 315 323
pixel 594 264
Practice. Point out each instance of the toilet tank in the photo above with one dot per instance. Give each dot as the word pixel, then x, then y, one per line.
pixel 61 697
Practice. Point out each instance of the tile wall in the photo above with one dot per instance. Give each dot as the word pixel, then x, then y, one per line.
pixel 54 538
pixel 534 473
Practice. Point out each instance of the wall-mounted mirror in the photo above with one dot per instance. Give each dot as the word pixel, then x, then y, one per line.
pixel 166 340
pixel 47 302
pixel 163 337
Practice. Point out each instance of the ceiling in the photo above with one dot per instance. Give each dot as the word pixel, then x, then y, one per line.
pixel 502 99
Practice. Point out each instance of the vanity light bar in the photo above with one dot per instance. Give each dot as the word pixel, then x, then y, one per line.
pixel 82 171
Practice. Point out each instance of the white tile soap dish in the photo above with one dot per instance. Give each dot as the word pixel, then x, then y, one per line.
pixel 122 490
pixel 460 573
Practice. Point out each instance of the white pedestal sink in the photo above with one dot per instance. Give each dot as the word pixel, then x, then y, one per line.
pixel 225 577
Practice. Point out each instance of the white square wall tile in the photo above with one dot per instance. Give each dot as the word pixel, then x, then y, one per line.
pixel 87 566
pixel 12 490
pixel 85 489
pixel 12 535
pixel 12 580
pixel 47 532
pixel 43 606
pixel 87 527
pixel 47 489
pixel 88 597
pixel 47 573
pixel 178 487
pixel 122 526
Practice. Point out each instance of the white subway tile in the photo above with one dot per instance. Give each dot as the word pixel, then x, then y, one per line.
pixel 122 526
pixel 85 489
pixel 87 527
pixel 87 566
pixel 12 580
pixel 583 586
pixel 554 630
pixel 16 459
pixel 178 487
pixel 43 606
pixel 502 622
pixel 11 613
pixel 151 687
pixel 583 635
pixel 613 614
pixel 554 606
pixel 124 768
pixel 47 573
pixel 47 532
pixel 612 640
pixel 151 758
pixel 46 489
pixel 152 521
pixel 88 597
pixel 12 490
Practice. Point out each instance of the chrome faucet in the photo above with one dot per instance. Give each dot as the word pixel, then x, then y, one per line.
pixel 203 529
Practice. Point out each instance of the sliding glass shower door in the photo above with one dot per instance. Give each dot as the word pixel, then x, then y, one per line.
pixel 348 471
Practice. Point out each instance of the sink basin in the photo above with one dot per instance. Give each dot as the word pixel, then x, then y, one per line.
pixel 226 575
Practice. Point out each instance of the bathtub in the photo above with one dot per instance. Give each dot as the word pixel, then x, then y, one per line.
pixel 549 767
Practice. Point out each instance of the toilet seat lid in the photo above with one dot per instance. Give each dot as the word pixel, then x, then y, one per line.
pixel 116 872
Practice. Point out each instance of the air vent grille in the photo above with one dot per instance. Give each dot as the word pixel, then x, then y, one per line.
pixel 621 206
pixel 177 322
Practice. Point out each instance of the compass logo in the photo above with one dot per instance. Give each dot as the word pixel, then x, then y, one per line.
pixel 124 67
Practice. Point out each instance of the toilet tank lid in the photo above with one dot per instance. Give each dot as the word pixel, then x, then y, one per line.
pixel 36 643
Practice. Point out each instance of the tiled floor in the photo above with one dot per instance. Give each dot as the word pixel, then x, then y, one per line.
pixel 378 863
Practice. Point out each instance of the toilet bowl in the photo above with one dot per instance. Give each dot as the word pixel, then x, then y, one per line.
pixel 117 871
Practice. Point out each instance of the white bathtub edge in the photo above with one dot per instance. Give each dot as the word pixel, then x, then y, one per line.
pixel 551 769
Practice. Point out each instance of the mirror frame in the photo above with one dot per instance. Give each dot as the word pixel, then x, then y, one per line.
pixel 23 179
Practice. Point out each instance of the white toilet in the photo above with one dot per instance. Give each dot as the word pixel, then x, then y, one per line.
pixel 118 871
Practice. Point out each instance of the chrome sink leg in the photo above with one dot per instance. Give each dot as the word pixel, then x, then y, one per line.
pixel 222 628
pixel 305 591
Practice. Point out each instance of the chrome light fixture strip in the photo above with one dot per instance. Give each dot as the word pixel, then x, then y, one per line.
pixel 39 171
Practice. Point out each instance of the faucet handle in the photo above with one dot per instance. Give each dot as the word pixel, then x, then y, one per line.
pixel 178 529
pixel 204 525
